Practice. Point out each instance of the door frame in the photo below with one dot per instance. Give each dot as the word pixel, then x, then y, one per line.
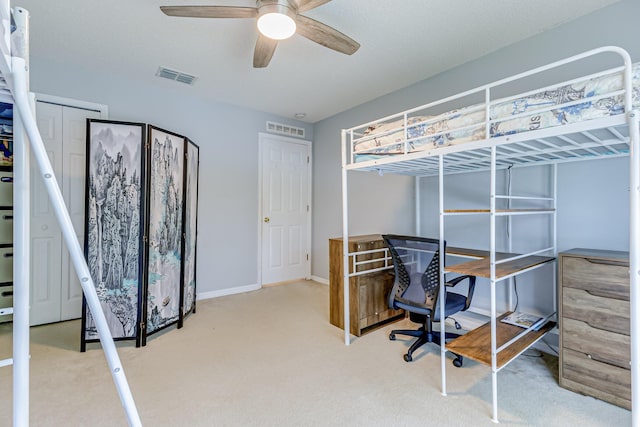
pixel 288 140
pixel 73 103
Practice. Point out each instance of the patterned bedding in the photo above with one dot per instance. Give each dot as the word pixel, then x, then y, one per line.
pixel 531 112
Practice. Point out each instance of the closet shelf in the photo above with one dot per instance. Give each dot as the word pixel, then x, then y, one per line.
pixel 481 267
pixel 476 344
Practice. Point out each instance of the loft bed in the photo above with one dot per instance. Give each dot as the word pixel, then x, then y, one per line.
pixel 14 89
pixel 589 117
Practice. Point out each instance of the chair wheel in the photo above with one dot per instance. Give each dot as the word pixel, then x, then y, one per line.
pixel 407 358
pixel 392 336
pixel 457 362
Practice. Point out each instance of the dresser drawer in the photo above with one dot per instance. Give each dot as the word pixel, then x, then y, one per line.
pixel 6 188
pixel 607 314
pixel 607 278
pixel 593 378
pixel 601 345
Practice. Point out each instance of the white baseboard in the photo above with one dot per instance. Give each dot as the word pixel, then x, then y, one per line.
pixel 320 280
pixel 225 292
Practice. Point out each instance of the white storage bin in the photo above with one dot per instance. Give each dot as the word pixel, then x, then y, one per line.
pixel 6 265
pixel 6 300
pixel 6 226
pixel 6 188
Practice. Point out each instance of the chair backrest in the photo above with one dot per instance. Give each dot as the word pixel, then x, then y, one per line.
pixel 416 261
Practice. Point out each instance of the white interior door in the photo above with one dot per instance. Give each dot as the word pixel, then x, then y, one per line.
pixel 74 135
pixel 46 238
pixel 285 182
pixel 56 294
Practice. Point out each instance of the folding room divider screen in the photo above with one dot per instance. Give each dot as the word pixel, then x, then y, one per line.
pixel 140 222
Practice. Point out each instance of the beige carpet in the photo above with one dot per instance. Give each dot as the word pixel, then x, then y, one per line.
pixel 271 358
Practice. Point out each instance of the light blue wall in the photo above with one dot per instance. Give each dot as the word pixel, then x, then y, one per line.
pixel 592 206
pixel 228 140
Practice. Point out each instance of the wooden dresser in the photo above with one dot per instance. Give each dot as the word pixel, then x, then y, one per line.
pixel 594 324
pixel 367 293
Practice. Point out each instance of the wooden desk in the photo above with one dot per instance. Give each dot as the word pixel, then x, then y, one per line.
pixel 368 293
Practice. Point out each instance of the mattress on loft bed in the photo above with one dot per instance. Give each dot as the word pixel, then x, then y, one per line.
pixel 468 124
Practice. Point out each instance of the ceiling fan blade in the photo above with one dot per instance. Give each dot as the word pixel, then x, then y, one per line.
pixel 210 11
pixel 304 5
pixel 325 35
pixel 263 51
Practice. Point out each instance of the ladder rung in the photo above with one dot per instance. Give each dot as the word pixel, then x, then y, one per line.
pixel 6 311
pixel 6 362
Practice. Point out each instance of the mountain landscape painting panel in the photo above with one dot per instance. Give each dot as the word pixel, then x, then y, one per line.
pixel 166 188
pixel 190 226
pixel 113 240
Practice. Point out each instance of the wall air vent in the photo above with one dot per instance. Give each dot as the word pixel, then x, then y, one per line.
pixel 177 76
pixel 285 129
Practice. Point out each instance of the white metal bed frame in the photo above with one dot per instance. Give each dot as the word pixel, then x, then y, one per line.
pixel 14 89
pixel 608 137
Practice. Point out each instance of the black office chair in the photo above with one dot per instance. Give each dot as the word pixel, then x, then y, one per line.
pixel 416 261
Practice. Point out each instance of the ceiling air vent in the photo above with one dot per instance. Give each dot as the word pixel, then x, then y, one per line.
pixel 285 129
pixel 176 75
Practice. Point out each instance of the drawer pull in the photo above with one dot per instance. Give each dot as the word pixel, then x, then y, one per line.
pixel 605 361
pixel 8 255
pixel 7 217
pixel 7 179
pixel 607 262
pixel 7 293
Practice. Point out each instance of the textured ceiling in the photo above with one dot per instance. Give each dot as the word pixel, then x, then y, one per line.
pixel 403 42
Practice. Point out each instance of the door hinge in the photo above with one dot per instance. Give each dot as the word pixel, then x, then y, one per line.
pixel 307 257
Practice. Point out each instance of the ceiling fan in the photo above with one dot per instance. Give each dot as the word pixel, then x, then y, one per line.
pixel 277 20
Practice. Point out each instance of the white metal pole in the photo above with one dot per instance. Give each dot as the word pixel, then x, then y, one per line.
pixel 554 172
pixel 19 93
pixel 21 243
pixel 634 262
pixel 345 241
pixel 418 210
pixel 492 267
pixel 21 257
pixel 442 296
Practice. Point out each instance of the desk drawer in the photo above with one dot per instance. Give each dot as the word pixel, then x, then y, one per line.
pixel 593 378
pixel 607 314
pixel 601 345
pixel 606 278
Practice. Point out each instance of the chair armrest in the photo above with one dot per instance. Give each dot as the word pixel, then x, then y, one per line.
pixel 472 284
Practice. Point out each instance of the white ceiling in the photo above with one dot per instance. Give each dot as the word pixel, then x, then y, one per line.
pixel 402 42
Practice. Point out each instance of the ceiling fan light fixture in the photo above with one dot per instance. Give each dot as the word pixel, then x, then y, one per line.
pixel 276 21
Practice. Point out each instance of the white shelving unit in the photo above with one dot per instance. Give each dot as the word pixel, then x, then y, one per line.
pixel 496 344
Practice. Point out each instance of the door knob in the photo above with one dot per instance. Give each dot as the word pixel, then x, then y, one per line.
pixel 266 219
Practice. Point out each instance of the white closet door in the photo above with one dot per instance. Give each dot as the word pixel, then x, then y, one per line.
pixel 56 292
pixel 46 238
pixel 72 180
